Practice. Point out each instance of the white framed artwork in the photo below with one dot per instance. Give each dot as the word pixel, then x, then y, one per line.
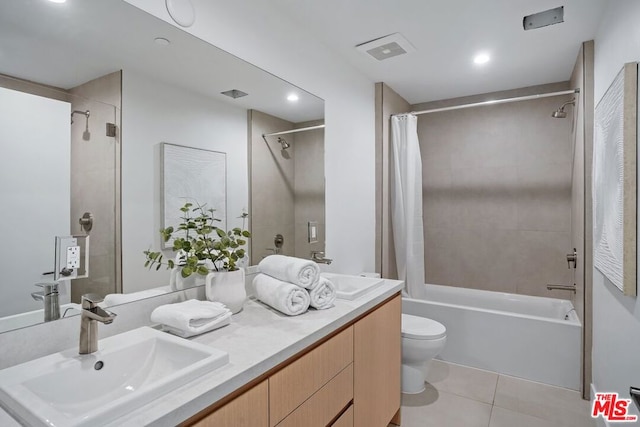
pixel 192 175
pixel 615 181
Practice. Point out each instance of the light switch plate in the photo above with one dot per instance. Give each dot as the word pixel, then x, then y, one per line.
pixel 313 231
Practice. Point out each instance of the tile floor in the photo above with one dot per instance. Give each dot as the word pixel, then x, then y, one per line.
pixel 459 396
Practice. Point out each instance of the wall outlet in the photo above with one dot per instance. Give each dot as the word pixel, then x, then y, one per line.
pixel 73 257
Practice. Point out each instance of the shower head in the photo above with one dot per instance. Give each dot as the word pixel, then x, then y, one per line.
pixel 283 143
pixel 560 113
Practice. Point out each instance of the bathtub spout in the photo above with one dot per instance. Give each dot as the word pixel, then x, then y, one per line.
pixel 571 288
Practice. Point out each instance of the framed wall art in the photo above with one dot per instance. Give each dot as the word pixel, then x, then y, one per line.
pixel 192 175
pixel 615 181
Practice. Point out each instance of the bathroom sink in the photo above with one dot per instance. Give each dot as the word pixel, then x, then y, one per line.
pixel 128 371
pixel 352 287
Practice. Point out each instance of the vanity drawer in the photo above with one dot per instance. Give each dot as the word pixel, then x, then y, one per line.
pixel 298 381
pixel 346 419
pixel 250 409
pixel 323 406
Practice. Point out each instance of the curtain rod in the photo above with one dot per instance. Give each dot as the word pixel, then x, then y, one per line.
pixel 284 132
pixel 493 102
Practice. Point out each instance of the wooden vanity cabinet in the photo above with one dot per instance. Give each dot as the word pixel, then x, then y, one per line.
pixel 314 373
pixel 377 365
pixel 250 409
pixel 351 379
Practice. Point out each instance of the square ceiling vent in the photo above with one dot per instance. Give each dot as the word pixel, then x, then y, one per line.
pixel 386 47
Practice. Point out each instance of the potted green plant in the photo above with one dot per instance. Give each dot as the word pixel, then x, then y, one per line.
pixel 205 249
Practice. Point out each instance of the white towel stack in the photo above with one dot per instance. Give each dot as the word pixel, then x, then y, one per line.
pixel 301 272
pixel 191 317
pixel 323 294
pixel 283 296
pixel 279 273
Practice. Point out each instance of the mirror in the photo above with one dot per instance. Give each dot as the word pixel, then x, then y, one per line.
pixel 110 66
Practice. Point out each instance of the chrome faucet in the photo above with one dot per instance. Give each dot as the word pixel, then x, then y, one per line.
pixel 571 288
pixel 49 296
pixel 91 315
pixel 318 256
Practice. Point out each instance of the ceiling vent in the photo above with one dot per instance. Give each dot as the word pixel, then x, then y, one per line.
pixel 386 47
pixel 542 19
pixel 234 93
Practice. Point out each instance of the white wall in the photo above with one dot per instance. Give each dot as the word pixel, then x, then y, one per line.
pixel 37 130
pixel 258 32
pixel 616 318
pixel 153 113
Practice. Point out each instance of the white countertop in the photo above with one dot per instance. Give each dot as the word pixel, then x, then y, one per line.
pixel 257 340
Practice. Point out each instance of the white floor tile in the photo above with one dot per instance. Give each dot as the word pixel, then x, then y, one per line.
pixel 506 418
pixel 467 382
pixel 439 409
pixel 564 407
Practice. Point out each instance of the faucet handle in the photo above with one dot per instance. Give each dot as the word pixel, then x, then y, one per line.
pixel 48 288
pixel 91 300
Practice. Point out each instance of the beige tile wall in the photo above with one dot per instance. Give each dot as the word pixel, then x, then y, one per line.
pixel 387 103
pixel 581 224
pixel 287 187
pixel 497 193
pixel 95 181
pixel 272 186
pixel 309 188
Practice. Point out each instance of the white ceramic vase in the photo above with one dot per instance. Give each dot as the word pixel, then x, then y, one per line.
pixel 179 283
pixel 227 287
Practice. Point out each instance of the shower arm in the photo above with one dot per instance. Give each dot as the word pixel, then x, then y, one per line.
pixel 84 113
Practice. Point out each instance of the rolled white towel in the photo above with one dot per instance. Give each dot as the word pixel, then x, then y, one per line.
pixel 284 297
pixel 301 272
pixel 323 295
pixel 191 317
pixel 117 299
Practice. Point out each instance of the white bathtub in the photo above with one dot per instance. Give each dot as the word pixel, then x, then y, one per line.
pixel 534 338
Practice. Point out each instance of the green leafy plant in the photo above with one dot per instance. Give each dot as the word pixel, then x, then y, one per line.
pixel 197 240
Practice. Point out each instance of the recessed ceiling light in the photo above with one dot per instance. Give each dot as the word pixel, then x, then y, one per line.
pixel 293 97
pixel 161 41
pixel 481 58
pixel 57 1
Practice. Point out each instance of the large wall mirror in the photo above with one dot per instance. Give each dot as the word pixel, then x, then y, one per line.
pixel 89 92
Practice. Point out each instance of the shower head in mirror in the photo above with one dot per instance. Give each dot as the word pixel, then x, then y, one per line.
pixel 283 143
pixel 560 113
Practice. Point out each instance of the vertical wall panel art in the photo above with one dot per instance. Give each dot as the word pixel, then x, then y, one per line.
pixel 615 182
pixel 192 175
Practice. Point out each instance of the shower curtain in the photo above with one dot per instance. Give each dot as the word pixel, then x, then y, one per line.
pixel 406 203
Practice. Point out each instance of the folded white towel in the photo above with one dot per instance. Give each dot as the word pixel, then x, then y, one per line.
pixel 323 295
pixel 301 272
pixel 285 297
pixel 116 299
pixel 191 317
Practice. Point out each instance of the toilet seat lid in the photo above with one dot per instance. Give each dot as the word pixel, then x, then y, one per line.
pixel 421 328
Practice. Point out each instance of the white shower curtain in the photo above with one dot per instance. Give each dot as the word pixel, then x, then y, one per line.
pixel 406 203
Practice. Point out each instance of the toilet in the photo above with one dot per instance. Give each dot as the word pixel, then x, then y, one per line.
pixel 422 340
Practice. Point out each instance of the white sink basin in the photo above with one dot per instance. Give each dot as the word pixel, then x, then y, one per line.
pixel 352 287
pixel 69 389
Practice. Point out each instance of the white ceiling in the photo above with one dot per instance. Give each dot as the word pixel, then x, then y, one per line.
pixel 447 34
pixel 65 45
